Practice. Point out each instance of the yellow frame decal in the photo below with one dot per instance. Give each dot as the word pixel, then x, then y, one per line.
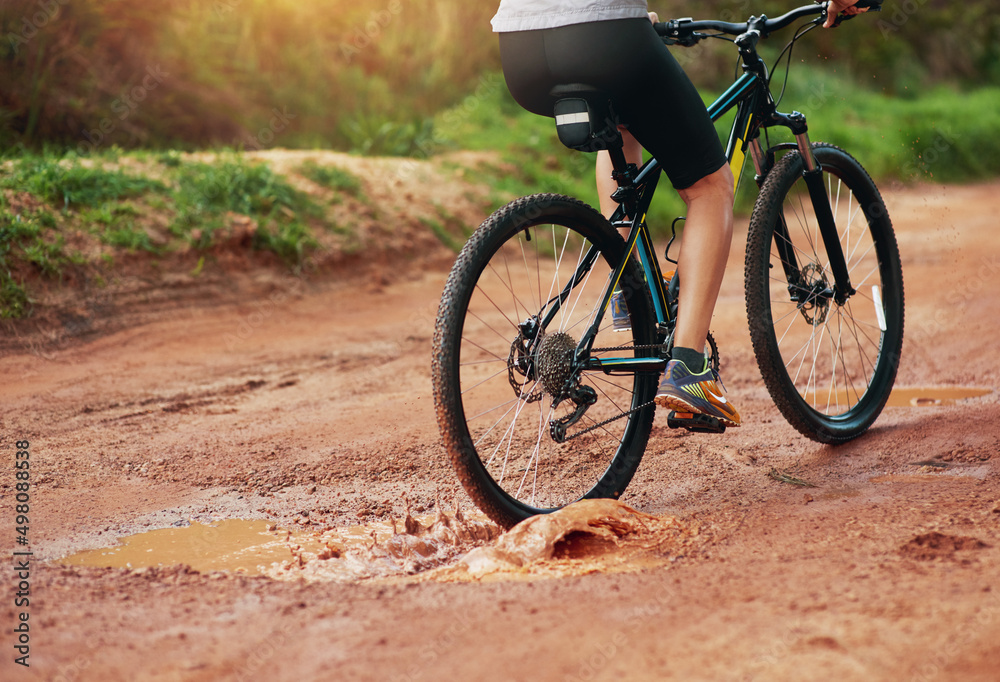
pixel 739 156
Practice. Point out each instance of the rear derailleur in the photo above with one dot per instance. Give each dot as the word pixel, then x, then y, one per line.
pixel 583 397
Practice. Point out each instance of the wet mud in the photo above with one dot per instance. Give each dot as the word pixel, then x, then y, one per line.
pixel 319 425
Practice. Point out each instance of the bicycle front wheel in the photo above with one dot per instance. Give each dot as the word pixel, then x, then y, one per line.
pixel 522 293
pixel 829 366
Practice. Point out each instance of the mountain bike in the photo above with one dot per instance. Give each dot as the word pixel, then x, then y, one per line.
pixel 541 404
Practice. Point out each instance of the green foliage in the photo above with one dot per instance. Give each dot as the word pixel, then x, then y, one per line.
pixel 942 135
pixel 128 237
pixel 236 185
pixel 171 158
pixel 289 240
pixel 238 73
pixel 14 300
pixel 205 191
pixel 69 183
pixel 376 135
pixel 22 240
pixel 48 258
pixel 910 43
pixel 332 177
pixel 368 76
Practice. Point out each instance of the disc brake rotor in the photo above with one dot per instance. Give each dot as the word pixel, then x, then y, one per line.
pixel 816 307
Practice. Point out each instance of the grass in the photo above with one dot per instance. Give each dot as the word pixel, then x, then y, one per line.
pixel 117 209
pixel 237 185
pixel 379 135
pixel 783 476
pixel 70 184
pixel 289 240
pixel 943 135
pixel 205 192
pixel 130 238
pixel 23 242
pixel 442 234
pixel 332 177
pixel 14 300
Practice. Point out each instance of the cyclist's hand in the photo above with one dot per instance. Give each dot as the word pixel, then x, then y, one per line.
pixel 654 17
pixel 835 7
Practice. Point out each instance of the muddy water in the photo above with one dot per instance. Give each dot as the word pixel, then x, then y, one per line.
pixel 928 397
pixel 258 547
pixel 907 397
pixel 231 545
pixel 588 536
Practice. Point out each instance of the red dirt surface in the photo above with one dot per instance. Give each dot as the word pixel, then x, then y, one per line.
pixel 309 404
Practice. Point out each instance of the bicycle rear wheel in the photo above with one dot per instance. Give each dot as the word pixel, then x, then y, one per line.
pixel 495 362
pixel 829 367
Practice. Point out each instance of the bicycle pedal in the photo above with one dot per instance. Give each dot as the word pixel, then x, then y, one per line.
pixel 696 423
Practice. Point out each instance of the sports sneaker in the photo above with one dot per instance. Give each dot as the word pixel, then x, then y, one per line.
pixel 620 321
pixel 683 391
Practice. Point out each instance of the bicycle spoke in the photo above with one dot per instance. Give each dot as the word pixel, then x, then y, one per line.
pixel 499 369
pixel 829 352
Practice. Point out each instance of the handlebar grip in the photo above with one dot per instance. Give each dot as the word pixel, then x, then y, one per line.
pixel 870 5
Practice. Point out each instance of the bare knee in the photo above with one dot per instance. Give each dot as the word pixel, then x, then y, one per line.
pixel 717 186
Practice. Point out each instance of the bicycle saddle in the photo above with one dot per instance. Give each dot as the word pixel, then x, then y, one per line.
pixel 585 119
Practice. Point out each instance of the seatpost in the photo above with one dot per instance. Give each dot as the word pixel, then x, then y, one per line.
pixel 624 174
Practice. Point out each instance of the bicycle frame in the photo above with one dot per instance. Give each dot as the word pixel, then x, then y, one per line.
pixel 755 110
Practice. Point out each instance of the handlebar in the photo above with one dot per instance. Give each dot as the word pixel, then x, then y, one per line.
pixel 686 31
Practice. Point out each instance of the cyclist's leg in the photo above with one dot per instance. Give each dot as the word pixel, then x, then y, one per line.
pixel 667 116
pixel 669 119
pixel 708 233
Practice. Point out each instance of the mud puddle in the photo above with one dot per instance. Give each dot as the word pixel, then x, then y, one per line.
pixel 586 537
pixel 232 545
pixel 931 396
pixel 924 478
pixel 259 547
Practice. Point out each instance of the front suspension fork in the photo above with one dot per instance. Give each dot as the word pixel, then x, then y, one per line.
pixel 812 173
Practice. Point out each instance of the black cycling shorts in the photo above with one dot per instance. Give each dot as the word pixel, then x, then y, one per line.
pixel 652 95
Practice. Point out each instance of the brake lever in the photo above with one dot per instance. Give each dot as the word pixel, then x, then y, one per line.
pixel 669 30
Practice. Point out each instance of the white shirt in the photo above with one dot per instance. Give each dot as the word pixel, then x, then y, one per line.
pixel 529 15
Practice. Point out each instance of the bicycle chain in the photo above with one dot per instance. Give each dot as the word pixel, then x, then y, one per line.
pixel 659 346
pixel 533 396
pixel 623 414
pixel 608 421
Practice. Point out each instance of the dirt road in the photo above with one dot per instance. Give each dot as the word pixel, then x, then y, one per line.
pixel 310 406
